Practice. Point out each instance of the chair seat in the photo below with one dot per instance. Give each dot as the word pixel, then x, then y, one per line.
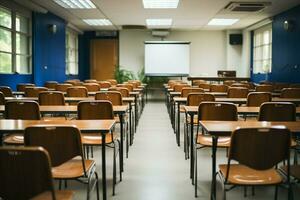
pixel 72 169
pixel 243 175
pixel 206 140
pixel 96 139
pixel 294 170
pixel 59 194
pixel 14 139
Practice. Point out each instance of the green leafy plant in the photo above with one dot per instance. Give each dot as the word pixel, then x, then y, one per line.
pixel 123 75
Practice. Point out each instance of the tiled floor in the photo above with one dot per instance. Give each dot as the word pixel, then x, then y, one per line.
pixel 156 168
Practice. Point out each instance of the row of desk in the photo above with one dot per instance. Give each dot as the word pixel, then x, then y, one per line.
pixel 220 128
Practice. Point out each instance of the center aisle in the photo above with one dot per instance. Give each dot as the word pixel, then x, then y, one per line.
pixel 156 168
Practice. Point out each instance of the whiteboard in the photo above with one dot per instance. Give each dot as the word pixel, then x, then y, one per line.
pixel 167 58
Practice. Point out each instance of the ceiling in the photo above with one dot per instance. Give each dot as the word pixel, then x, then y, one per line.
pixel 190 14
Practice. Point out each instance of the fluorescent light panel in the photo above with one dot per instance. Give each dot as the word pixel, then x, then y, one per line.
pixel 98 22
pixel 160 4
pixel 222 22
pixel 159 22
pixel 76 4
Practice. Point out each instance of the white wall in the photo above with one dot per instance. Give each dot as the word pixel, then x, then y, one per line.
pixel 210 51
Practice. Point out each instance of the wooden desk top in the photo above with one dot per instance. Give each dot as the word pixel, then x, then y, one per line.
pixel 226 127
pixel 70 109
pixel 10 125
pixel 240 109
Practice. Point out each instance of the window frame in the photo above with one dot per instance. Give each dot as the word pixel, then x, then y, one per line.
pixel 76 52
pixel 13 31
pixel 260 46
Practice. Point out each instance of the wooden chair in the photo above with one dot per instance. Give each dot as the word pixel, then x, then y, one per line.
pixel 64 146
pixel 193 99
pixel 28 110
pixel 255 99
pixel 280 86
pixel 99 110
pixel 295 85
pixel 179 87
pixel 237 92
pixel 25 173
pixel 198 82
pixel 187 90
pixel 113 82
pixel 290 93
pixel 127 85
pixel 34 91
pixel 229 82
pixel 90 81
pixel 218 88
pixel 104 84
pixel 257 158
pixel 114 97
pixel 92 87
pixel 264 88
pixel 205 86
pixel 6 91
pixel 239 85
pixel 62 87
pixel 77 91
pixel 50 84
pixel 123 90
pixel 2 98
pixel 21 86
pixel 212 111
pixel 51 98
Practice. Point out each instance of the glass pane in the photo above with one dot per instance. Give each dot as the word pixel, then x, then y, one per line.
pixel 22 64
pixel 5 17
pixel 21 44
pixel 266 52
pixel 258 53
pixel 22 24
pixel 5 40
pixel 5 63
pixel 257 39
pixel 266 37
pixel 73 68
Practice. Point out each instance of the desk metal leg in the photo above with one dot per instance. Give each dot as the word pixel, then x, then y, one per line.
pixel 178 124
pixel 104 168
pixel 191 148
pixel 122 141
pixel 136 112
pixel 130 124
pixel 214 152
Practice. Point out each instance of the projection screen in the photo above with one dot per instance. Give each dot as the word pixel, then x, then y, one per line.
pixel 167 58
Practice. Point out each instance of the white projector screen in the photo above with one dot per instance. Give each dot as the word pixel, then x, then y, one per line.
pixel 167 58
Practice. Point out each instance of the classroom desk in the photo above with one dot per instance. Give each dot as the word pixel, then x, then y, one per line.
pixel 191 78
pixel 85 126
pixel 225 128
pixel 119 110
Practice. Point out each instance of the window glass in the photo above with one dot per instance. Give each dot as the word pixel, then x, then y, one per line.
pixel 71 52
pixel 5 63
pixel 5 17
pixel 5 40
pixel 22 24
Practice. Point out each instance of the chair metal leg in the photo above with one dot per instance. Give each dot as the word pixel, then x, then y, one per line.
pixel 195 169
pixel 114 170
pixel 97 186
pixel 276 192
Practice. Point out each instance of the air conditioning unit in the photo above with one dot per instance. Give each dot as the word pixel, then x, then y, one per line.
pixel 247 6
pixel 160 33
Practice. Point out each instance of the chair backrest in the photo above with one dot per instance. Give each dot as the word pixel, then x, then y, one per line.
pixel 295 85
pixel 25 172
pixel 124 91
pixel 290 93
pixel 187 90
pixel 34 91
pixel 2 98
pixel 6 91
pixel 244 85
pixel 237 92
pixel 205 86
pixel 198 82
pixel 255 99
pixel 264 88
pixel 51 98
pixel 112 81
pixel 62 87
pixel 260 148
pixel 22 110
pixel 194 99
pixel 134 83
pixel 277 111
pixel 280 86
pixel 51 84
pixel 104 84
pixel 217 111
pixel 92 87
pixel 229 82
pixel 21 86
pixel 114 97
pixel 179 87
pixel 62 142
pixel 97 109
pixel 218 88
pixel 128 86
pixel 90 81
pixel 77 91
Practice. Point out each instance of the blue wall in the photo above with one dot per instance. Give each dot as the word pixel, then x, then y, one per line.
pixel 285 50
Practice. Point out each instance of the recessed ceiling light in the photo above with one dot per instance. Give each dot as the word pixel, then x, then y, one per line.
pixel 222 22
pixel 98 22
pixel 76 4
pixel 160 4
pixel 159 22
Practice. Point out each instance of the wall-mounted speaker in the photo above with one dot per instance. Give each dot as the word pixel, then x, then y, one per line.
pixel 235 39
pixel 52 28
pixel 288 25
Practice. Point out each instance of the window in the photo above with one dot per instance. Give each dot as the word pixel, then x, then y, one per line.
pixel 71 52
pixel 262 50
pixel 15 45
